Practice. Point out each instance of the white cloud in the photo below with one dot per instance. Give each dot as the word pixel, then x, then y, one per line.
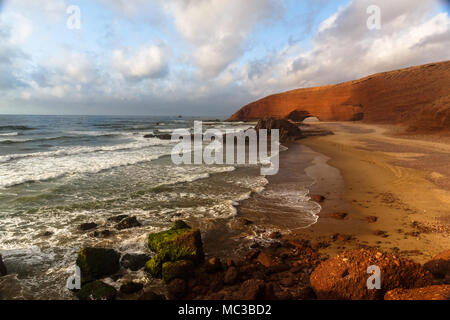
pixel 344 49
pixel 147 62
pixel 218 29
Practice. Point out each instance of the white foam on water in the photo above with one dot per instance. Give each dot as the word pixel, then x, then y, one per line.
pixel 10 134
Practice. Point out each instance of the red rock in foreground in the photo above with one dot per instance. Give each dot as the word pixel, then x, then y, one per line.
pixel 345 276
pixel 417 97
pixel 427 293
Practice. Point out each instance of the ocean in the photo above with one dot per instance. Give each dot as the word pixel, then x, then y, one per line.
pixel 57 172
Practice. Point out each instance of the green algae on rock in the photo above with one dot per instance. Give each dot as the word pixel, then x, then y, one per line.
pixel 181 242
pixel 96 263
pixel 97 290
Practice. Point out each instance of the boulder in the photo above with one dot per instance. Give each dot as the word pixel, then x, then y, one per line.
pixel 128 223
pixel 87 226
pixel 131 287
pixel 3 270
pixel 427 293
pixel 182 269
pixel 439 266
pixel 101 234
pixel 177 289
pixel 151 296
pixel 252 290
pixel 97 290
pixel 134 262
pixel 96 263
pixel 231 276
pixel 118 218
pixel 287 130
pixel 345 276
pixel 213 265
pixel 181 242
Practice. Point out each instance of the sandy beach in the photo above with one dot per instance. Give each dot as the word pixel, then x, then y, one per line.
pixel 404 183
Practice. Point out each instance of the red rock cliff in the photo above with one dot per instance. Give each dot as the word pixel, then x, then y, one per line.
pixel 399 96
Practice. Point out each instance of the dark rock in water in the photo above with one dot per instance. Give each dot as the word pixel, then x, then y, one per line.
pixel 97 290
pixel 182 269
pixel 245 222
pixel 96 263
pixel 345 276
pixel 181 242
pixel 131 287
pixel 288 131
pixel 439 266
pixel 118 218
pixel 252 290
pixel 87 226
pixel 101 234
pixel 3 270
pixel 230 276
pixel 159 136
pixel 46 234
pixel 275 235
pixel 128 223
pixel 177 289
pixel 134 262
pixel 427 293
pixel 152 296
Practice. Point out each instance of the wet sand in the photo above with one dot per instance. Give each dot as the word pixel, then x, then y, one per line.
pixel 401 181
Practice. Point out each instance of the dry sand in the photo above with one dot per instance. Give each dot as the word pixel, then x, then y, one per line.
pixel 403 182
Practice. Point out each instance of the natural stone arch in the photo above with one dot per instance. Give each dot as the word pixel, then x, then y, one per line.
pixel 298 115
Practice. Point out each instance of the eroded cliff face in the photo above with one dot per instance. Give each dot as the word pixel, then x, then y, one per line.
pixel 399 96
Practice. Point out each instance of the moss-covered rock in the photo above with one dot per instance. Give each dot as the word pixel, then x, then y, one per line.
pixel 154 266
pixel 96 263
pixel 181 242
pixel 97 290
pixel 131 287
pixel 181 269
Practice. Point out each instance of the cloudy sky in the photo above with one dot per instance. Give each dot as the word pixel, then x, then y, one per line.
pixel 200 57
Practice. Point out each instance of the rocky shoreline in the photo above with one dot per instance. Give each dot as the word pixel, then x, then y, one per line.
pixel 291 268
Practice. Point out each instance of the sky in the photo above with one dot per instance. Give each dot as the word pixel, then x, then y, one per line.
pixel 201 57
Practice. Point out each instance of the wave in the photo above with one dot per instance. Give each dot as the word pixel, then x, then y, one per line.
pixel 14 128
pixel 138 144
pixel 10 134
pixel 36 169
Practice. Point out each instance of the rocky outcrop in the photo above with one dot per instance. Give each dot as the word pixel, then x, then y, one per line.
pixel 134 262
pixel 128 223
pixel 3 270
pixel 180 243
pixel 287 130
pixel 416 96
pixel 97 290
pixel 345 276
pixel 439 266
pixel 96 263
pixel 428 293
